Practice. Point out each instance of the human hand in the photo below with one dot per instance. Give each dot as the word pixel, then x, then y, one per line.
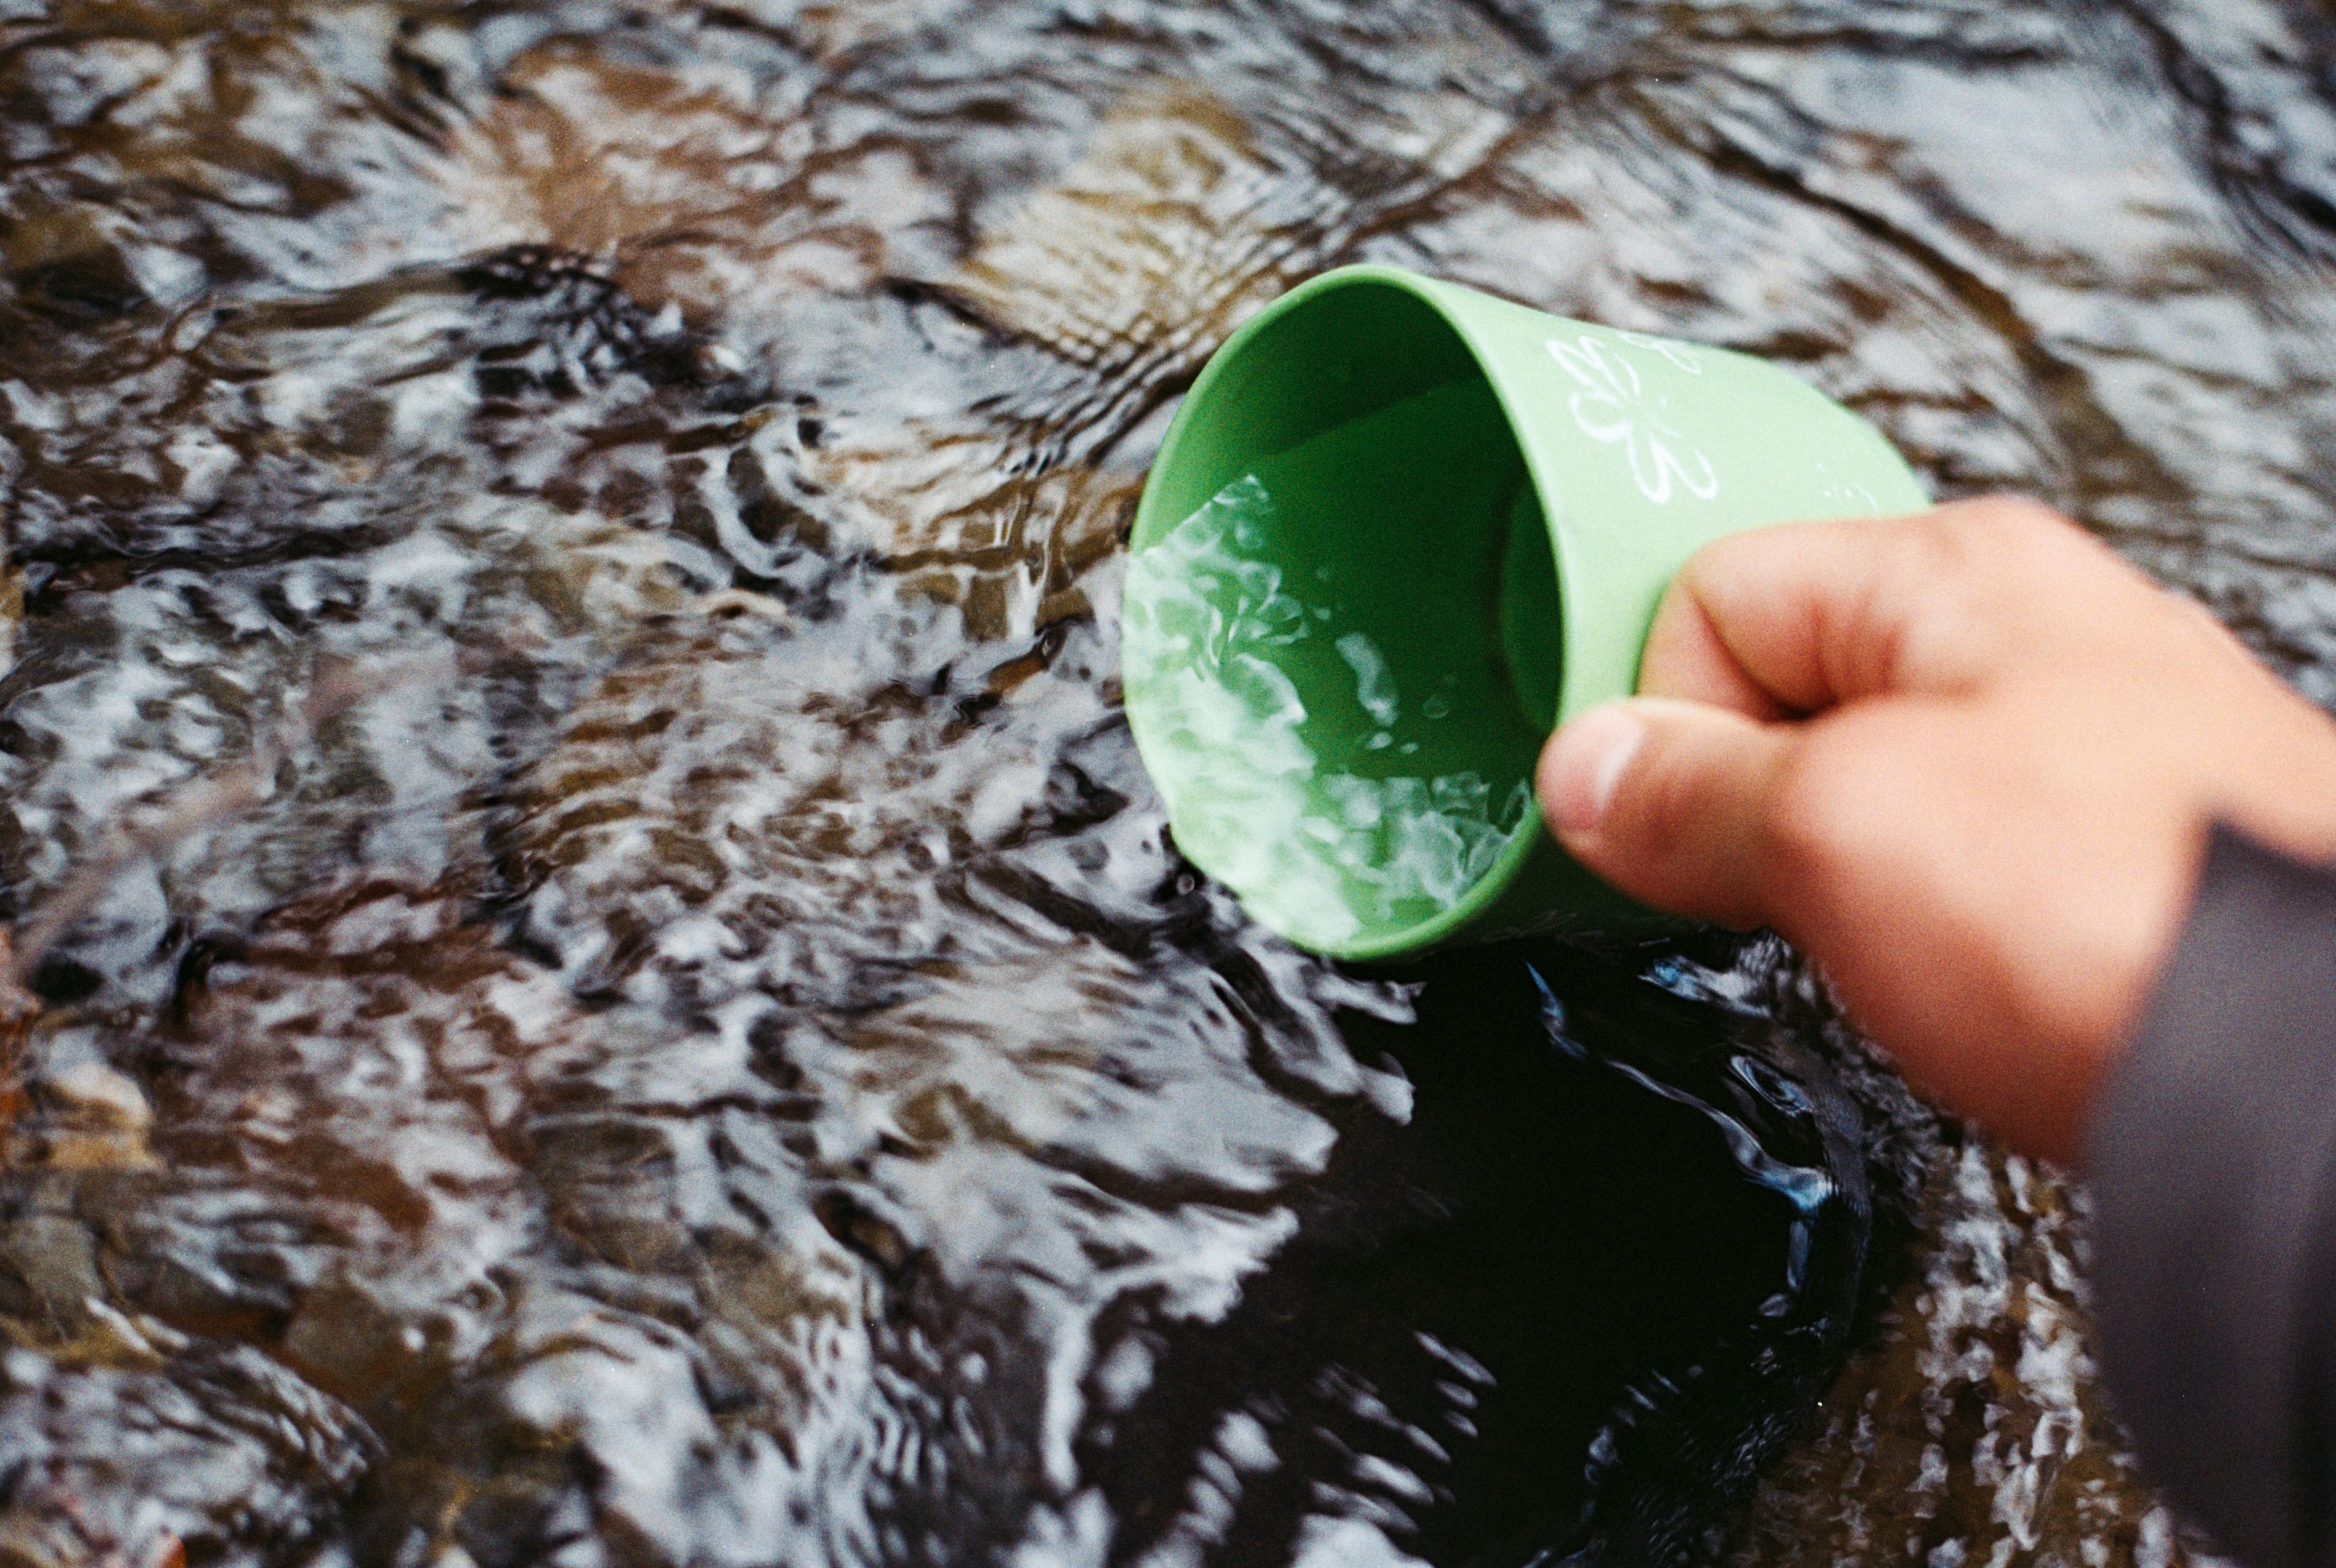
pixel 1967 762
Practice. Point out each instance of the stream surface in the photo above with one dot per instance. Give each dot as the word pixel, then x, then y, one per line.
pixel 596 981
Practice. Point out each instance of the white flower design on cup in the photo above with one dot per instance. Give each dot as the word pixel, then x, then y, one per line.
pixel 1679 354
pixel 1841 492
pixel 1615 407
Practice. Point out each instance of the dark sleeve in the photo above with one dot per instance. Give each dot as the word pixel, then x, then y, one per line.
pixel 2214 1231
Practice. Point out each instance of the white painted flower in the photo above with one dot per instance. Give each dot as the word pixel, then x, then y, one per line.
pixel 1847 493
pixel 1616 407
pixel 1679 354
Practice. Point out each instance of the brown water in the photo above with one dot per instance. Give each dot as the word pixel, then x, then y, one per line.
pixel 605 986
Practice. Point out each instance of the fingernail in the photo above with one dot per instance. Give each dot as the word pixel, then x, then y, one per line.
pixel 1586 763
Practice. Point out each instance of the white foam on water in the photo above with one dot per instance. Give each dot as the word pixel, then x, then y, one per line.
pixel 1317 854
pixel 1375 686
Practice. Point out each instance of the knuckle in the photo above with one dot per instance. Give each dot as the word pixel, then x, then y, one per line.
pixel 1989 577
pixel 2021 517
pixel 2007 530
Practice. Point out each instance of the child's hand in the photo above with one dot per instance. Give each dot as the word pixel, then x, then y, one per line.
pixel 1966 761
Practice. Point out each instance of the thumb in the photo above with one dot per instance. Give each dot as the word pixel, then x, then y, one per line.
pixel 1668 801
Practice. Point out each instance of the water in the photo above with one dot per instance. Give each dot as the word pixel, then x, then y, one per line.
pixel 606 985
pixel 1316 849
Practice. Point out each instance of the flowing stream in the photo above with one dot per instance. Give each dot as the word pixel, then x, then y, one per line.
pixel 592 978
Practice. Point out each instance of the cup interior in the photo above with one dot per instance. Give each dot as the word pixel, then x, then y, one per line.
pixel 1343 627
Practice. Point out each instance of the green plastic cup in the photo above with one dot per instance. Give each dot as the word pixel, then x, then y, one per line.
pixel 1399 532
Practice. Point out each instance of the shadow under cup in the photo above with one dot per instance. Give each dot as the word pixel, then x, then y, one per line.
pixel 1343 627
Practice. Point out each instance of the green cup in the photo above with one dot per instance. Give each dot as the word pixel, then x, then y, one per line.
pixel 1399 532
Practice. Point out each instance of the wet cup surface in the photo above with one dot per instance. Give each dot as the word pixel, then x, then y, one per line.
pixel 1400 531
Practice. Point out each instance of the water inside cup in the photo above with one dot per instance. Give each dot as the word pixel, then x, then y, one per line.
pixel 1318 658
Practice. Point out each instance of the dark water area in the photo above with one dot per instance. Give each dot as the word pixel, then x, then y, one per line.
pixel 593 978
